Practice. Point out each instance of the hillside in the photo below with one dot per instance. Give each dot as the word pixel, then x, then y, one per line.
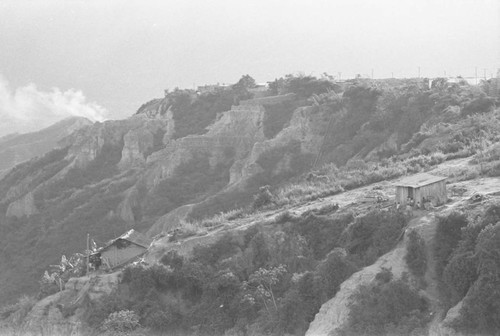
pixel 188 170
pixel 318 223
pixel 17 148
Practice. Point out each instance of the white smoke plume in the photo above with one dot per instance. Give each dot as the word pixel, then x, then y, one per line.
pixel 27 109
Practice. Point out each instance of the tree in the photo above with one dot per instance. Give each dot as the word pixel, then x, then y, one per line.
pixel 245 82
pixel 241 88
pixel 262 282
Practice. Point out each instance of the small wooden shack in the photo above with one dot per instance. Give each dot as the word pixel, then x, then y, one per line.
pixel 421 188
pixel 123 249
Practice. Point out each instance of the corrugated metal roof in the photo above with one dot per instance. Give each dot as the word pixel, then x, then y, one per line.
pixel 132 236
pixel 419 180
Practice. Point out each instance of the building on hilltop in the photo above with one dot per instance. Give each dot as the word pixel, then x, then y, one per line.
pixel 495 86
pixel 421 188
pixel 121 250
pixel 212 88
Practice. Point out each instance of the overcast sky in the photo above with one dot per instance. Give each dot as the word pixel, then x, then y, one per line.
pixel 116 55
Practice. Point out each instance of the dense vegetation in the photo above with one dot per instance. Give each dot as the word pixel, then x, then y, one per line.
pixel 303 86
pixel 266 280
pixel 469 267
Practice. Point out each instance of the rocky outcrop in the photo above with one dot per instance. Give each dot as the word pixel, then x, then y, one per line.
pixel 87 143
pixel 24 206
pixel 140 142
pixel 304 127
pixel 238 129
pixel 136 143
pixel 125 208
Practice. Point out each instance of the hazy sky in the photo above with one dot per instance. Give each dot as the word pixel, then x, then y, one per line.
pixel 120 54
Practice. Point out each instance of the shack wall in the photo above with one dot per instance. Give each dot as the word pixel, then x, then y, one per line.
pixel 115 256
pixel 436 192
pixel 401 195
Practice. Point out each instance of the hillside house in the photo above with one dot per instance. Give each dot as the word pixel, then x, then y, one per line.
pixel 421 188
pixel 123 249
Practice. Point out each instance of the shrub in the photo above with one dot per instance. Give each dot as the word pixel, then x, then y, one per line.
pixel 285 217
pixel 415 257
pixel 263 198
pixel 166 319
pixel 121 321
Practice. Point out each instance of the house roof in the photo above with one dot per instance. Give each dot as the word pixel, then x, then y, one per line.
pixel 133 237
pixel 419 180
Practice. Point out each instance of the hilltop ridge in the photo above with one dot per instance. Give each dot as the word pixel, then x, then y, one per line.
pixel 210 176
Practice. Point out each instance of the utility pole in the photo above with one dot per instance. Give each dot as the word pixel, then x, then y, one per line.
pixel 88 252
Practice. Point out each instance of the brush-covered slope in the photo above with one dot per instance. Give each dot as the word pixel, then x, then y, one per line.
pixel 189 156
pixel 17 148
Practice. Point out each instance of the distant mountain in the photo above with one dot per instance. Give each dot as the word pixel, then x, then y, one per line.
pixel 17 148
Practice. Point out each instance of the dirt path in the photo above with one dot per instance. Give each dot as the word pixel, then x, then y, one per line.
pixel 335 312
pixel 348 200
pixel 426 228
